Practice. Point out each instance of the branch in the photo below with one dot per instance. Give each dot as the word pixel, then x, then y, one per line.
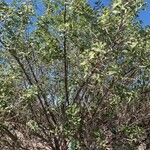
pixel 65 60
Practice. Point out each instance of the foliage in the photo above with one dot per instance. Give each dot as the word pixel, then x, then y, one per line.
pixel 74 76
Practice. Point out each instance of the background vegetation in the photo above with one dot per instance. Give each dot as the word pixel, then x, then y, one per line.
pixel 75 77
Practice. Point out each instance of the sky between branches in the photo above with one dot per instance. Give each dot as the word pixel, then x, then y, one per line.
pixel 144 15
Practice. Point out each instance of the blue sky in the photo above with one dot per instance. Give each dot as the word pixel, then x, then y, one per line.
pixel 144 15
